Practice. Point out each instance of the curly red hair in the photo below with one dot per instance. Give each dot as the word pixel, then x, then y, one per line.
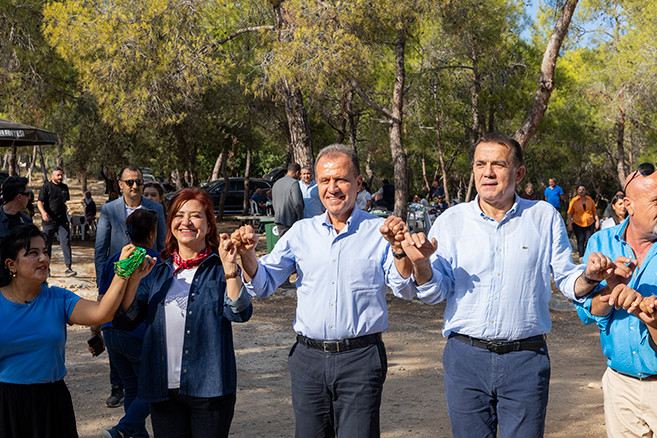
pixel 176 203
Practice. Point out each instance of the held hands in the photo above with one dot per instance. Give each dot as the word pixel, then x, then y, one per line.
pixel 143 269
pixel 599 267
pixel 227 249
pixel 647 311
pixel 393 230
pixel 417 247
pixel 244 239
pixel 644 308
pixel 127 251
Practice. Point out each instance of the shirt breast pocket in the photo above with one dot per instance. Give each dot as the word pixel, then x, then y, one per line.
pixel 362 274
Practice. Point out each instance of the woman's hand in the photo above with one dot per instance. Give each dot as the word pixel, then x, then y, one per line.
pixel 143 269
pixel 227 249
pixel 127 251
pixel 244 239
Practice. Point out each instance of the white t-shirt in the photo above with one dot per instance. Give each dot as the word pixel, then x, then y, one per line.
pixel 363 197
pixel 175 314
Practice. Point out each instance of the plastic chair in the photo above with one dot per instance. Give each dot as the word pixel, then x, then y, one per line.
pixel 78 227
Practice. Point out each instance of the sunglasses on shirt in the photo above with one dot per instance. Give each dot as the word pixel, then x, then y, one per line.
pixel 644 169
pixel 130 182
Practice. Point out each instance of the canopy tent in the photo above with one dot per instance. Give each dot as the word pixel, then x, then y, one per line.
pixel 16 134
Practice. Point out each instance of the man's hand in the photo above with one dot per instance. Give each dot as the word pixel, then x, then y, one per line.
pixel 623 269
pixel 45 217
pixel 244 239
pixel 394 230
pixel 647 311
pixel 599 267
pixel 623 296
pixel 417 247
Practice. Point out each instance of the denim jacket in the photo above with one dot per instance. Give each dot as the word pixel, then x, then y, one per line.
pixel 208 364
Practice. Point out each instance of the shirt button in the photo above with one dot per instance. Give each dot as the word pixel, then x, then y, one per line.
pixel 185 370
pixel 330 326
pixel 333 282
pixel 631 328
pixel 498 274
pixel 634 352
pixel 186 351
pixel 491 321
pixel 330 304
pixel 495 297
pixel 499 249
pixel 333 260
pixel 189 331
pixel 190 312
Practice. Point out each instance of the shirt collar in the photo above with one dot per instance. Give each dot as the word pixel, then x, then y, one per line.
pixel 512 211
pixel 354 217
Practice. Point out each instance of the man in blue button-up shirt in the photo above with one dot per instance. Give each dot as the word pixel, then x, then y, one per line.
pixel 493 263
pixel 345 262
pixel 312 206
pixel 628 329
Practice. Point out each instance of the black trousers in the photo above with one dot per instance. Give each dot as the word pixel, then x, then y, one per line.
pixel 337 394
pixel 582 234
pixel 183 416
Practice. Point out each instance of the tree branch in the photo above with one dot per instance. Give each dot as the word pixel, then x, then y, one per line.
pixel 237 33
pixel 379 108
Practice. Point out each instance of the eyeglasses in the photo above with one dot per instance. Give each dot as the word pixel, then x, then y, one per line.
pixel 130 182
pixel 644 169
pixel 26 194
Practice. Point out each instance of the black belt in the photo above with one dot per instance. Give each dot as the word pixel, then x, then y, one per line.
pixel 341 345
pixel 501 347
pixel 648 378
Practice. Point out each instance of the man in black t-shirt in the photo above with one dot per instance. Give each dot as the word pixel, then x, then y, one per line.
pixel 16 196
pixel 52 205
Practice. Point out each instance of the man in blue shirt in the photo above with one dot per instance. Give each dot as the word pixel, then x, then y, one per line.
pixel 628 328
pixel 312 206
pixel 345 261
pixel 493 263
pixel 553 194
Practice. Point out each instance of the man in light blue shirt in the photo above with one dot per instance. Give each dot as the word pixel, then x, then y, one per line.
pixel 345 262
pixel 627 331
pixel 493 263
pixel 312 206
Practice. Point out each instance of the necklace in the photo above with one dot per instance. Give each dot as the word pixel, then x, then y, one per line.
pixel 14 299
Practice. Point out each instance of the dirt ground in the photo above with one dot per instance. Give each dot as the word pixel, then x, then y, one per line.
pixel 413 397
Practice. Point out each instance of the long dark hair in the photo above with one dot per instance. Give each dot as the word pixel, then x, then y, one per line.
pixel 188 194
pixel 614 216
pixel 17 239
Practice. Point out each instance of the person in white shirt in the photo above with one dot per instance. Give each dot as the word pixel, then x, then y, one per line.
pixel 364 198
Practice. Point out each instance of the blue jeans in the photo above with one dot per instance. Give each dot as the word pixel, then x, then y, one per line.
pixel 125 352
pixel 337 394
pixel 485 389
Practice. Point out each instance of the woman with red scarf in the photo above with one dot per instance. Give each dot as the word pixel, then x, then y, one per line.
pixel 188 370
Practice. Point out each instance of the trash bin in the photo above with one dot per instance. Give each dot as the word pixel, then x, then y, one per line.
pixel 271 232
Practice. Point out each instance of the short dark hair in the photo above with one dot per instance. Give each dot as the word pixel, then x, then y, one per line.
pixel 132 168
pixel 340 149
pixel 56 168
pixel 293 168
pixel 503 140
pixel 141 224
pixel 16 239
pixel 13 186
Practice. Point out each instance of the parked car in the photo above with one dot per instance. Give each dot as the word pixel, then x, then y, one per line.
pixel 235 196
pixel 275 174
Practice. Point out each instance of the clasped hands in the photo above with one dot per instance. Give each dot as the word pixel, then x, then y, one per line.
pixel 618 294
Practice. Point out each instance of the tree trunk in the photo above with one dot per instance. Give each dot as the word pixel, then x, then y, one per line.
pixel 297 119
pixel 224 193
pixel 342 117
pixel 12 161
pixel 353 129
pixel 217 166
pixel 546 76
pixel 396 145
pixel 247 183
pixel 620 147
pixel 82 176
pixel 60 160
pixel 439 145
pixel 32 163
pixel 43 164
pixel 369 173
pixel 477 126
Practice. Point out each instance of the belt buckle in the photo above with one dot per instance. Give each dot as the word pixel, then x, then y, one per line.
pixel 498 347
pixel 327 343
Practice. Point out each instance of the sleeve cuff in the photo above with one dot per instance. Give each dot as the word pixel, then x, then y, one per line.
pixel 241 303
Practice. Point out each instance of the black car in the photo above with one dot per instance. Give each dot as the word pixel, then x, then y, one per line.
pixel 235 198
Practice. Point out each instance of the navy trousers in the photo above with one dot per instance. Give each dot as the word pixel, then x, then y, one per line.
pixel 337 394
pixel 485 390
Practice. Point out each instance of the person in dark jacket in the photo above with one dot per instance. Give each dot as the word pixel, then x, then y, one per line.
pixel 189 373
pixel 16 196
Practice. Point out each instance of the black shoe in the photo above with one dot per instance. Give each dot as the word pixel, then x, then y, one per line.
pixel 70 273
pixel 115 399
